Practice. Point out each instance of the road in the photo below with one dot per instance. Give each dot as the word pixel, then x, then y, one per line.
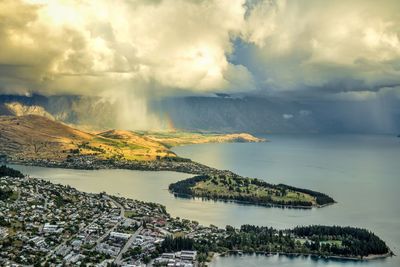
pixel 122 214
pixel 128 244
pixel 53 251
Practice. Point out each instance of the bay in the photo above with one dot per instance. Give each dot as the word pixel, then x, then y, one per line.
pixel 361 172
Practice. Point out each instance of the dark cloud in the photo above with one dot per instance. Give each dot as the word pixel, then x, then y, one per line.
pixel 323 47
pixel 136 50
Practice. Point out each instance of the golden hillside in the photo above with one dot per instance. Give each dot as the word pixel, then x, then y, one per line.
pixel 37 137
pixel 178 138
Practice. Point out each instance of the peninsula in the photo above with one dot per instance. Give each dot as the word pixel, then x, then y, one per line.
pixel 39 141
pixel 57 225
pixel 232 187
pixel 33 137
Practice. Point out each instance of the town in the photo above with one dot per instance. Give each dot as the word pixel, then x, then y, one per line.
pixel 45 224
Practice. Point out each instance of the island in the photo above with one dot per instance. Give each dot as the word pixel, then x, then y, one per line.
pixel 39 141
pixel 46 224
pixel 232 187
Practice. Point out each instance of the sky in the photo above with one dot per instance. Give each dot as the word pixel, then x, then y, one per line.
pixel 133 50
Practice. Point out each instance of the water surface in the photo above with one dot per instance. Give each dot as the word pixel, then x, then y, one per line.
pixel 362 173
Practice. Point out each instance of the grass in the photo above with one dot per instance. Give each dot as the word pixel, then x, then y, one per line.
pixel 179 234
pixel 14 196
pixel 231 188
pixel 130 214
pixel 35 137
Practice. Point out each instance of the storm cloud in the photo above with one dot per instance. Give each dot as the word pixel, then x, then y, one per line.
pixel 140 49
pixel 324 46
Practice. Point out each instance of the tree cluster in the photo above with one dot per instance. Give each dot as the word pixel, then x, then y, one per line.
pixel 6 171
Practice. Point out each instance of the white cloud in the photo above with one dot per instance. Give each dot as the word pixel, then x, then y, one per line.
pixel 287 116
pixel 137 49
pixel 90 47
pixel 335 44
pixel 94 46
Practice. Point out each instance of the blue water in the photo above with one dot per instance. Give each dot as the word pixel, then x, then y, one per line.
pixel 362 173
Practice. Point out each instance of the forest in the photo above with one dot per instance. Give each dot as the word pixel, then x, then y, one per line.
pixel 327 241
pixel 6 171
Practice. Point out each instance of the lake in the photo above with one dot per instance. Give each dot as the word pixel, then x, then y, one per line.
pixel 362 173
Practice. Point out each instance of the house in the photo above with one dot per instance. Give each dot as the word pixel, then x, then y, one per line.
pixel 51 228
pixel 188 255
pixel 117 235
pixel 168 255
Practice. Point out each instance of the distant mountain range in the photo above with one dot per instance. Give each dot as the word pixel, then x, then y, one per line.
pixel 76 110
pixel 222 113
pixel 277 115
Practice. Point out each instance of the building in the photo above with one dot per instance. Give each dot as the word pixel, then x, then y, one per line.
pixel 117 235
pixel 168 255
pixel 51 228
pixel 188 255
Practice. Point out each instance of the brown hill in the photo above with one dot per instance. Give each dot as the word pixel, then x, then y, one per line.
pixel 36 137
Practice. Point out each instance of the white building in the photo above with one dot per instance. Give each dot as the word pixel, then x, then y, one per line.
pixel 188 255
pixel 51 228
pixel 118 235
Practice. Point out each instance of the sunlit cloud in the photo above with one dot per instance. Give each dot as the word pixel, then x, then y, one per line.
pixel 144 49
pixel 89 46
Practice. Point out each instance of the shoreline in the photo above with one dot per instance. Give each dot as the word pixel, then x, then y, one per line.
pixel 311 255
pixel 180 165
pixel 240 251
pixel 266 205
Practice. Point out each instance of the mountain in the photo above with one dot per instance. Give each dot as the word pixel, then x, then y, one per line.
pixel 75 110
pixel 19 109
pixel 257 114
pixel 222 113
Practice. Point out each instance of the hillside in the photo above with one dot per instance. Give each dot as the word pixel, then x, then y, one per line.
pixel 178 138
pixel 36 137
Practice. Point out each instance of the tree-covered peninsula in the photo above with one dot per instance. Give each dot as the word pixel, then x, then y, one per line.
pixel 316 240
pixel 248 190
